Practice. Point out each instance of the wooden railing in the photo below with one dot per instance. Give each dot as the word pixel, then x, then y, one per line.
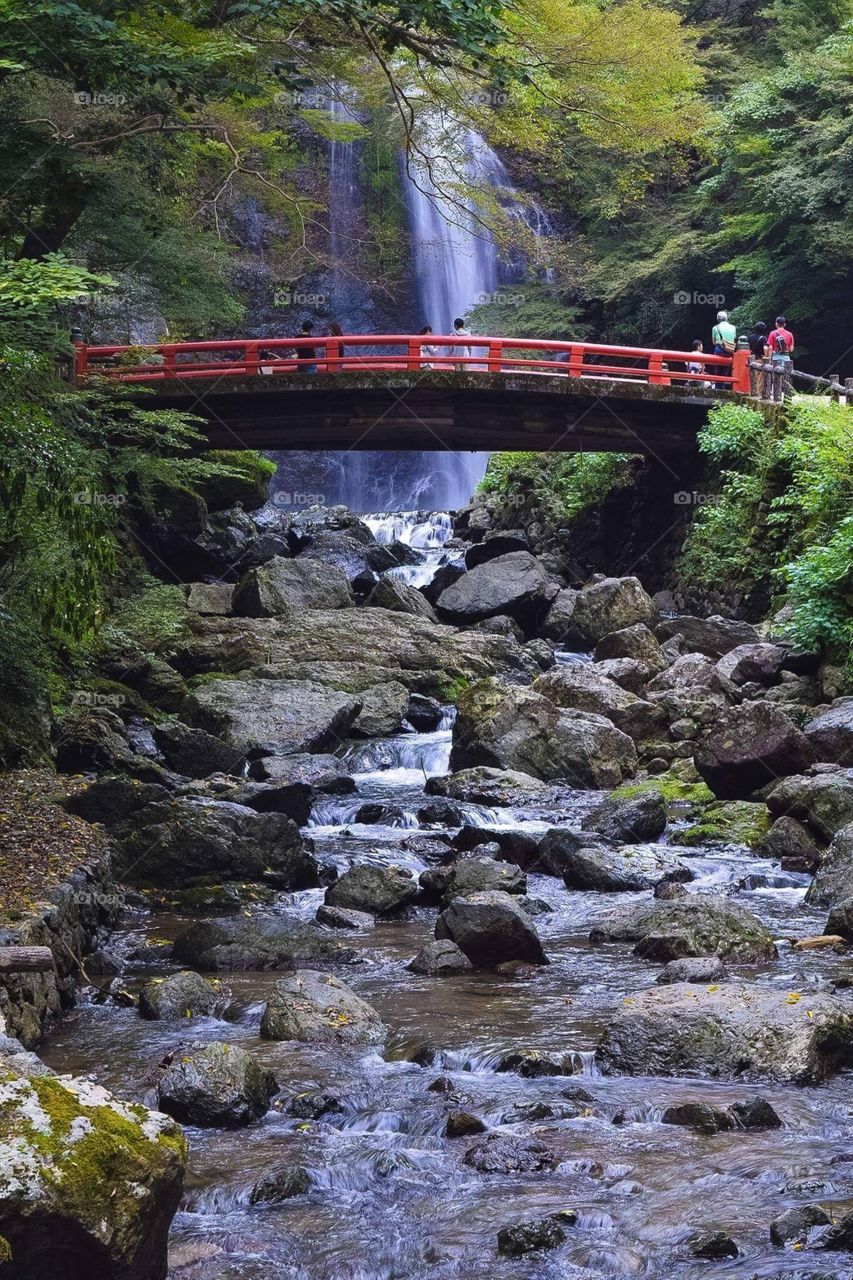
pixel 393 353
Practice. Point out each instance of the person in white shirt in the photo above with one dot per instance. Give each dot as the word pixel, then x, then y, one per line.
pixel 428 349
pixel 461 332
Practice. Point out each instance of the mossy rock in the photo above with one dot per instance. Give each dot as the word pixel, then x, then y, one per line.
pixel 244 478
pixel 178 505
pixel 682 799
pixel 739 822
pixel 88 1184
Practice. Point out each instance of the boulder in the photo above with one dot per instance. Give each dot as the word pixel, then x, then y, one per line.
pixel 490 928
pixel 319 1009
pixel 519 847
pixel 215 1085
pixel 823 801
pixel 712 636
pixel 628 673
pixel 701 969
pixel 274 717
pixel 612 605
pixel 636 642
pixel 515 728
pixel 487 786
pixel 424 714
pixel 440 812
pixel 833 883
pixel 840 921
pixel 536 1236
pixel 319 772
pixel 754 1113
pixel 533 1064
pixel 731 1031
pixel 556 849
pixel 212 598
pixel 760 663
pixel 697 1115
pixel 438 957
pixel 88 1184
pixel 794 1225
pixel 839 1237
pixel 179 996
pixel 400 597
pixel 751 745
pixel 697 925
pixel 111 799
pixel 195 753
pixel 383 709
pixel 581 686
pixel 381 890
pixel 515 585
pixel 283 586
pixel 186 842
pixel 293 799
pixel 479 875
pixel 688 671
pixel 628 869
pixel 343 918
pixel 788 840
pixel 311 1106
pixel 462 1124
pixel 557 624
pixel 91 740
pixel 497 542
pixel 506 1153
pixel 256 942
pixel 280 1184
pixel 629 819
pixel 831 733
pixel 713 1246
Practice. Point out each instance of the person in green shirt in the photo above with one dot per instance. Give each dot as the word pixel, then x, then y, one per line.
pixel 724 335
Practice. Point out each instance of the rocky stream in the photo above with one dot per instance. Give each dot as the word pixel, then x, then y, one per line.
pixel 470 923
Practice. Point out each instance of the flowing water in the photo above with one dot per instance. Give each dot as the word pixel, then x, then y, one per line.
pixel 390 1198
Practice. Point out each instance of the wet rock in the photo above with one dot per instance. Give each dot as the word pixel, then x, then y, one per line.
pixel 375 814
pixel 85 1180
pixel 479 875
pixel 730 822
pixel 213 598
pixel 490 928
pixel 627 672
pixel 556 850
pixel 312 1106
pixel 794 1225
pixel 713 1246
pixel 91 740
pixel 668 890
pixel 424 714
pixel 343 918
pixel 257 942
pixel 581 687
pixel 439 957
pixel 731 1032
pixel 761 663
pixel 628 869
pixel 294 799
pixel 833 883
pixel 840 921
pixel 634 819
pixel 320 772
pixel 636 642
pixel 462 1124
pixel 274 716
pixel 383 710
pixel 511 727
pixel 535 1236
pixel 699 925
pixel 215 1085
pixel 281 1184
pixel 831 733
pixel 440 813
pixel 502 626
pixel 534 1112
pixel 701 969
pixel 839 1237
pixel 443 1084
pixel 751 745
pixel 789 839
pixel 196 754
pixel 284 586
pixel 512 846
pixel 558 623
pixel 824 801
pixel 381 890
pixel 318 1008
pixel 755 1113
pixel 612 605
pixel 216 899
pixel 503 1153
pixel 179 996
pixel 400 597
pixel 190 841
pixel 497 542
pixel 488 786
pixel 712 636
pixel 515 585
pixel 697 1115
pixel 111 799
pixel 535 1064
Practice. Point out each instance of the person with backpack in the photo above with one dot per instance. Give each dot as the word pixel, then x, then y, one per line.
pixel 781 342
pixel 724 335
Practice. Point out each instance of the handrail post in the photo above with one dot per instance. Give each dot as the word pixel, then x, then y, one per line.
pixel 251 358
pixel 333 355
pixel 740 367
pixel 574 367
pixel 81 354
pixel 656 375
pixel 413 355
pixel 170 365
pixel 495 357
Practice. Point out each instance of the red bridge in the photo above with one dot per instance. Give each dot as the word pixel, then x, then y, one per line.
pixel 428 391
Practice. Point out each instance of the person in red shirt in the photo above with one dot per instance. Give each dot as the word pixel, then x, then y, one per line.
pixel 781 340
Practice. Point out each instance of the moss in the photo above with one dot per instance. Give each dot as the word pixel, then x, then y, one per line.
pixel 733 822
pixel 452 690
pixel 243 476
pixel 147 621
pixel 208 677
pixel 681 798
pixel 5 1250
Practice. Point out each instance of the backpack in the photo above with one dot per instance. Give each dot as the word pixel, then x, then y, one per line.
pixel 780 343
pixel 729 345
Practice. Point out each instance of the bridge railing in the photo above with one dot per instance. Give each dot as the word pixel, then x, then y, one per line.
pixel 269 357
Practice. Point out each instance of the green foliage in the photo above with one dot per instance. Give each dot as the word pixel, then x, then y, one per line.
pixel 146 621
pixel 33 286
pixel 529 311
pixel 557 487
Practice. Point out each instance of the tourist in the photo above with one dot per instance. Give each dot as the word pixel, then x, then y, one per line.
pixel 781 343
pixel 697 366
pixel 461 332
pixel 335 331
pixel 760 349
pixel 428 348
pixel 724 335
pixel 306 356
